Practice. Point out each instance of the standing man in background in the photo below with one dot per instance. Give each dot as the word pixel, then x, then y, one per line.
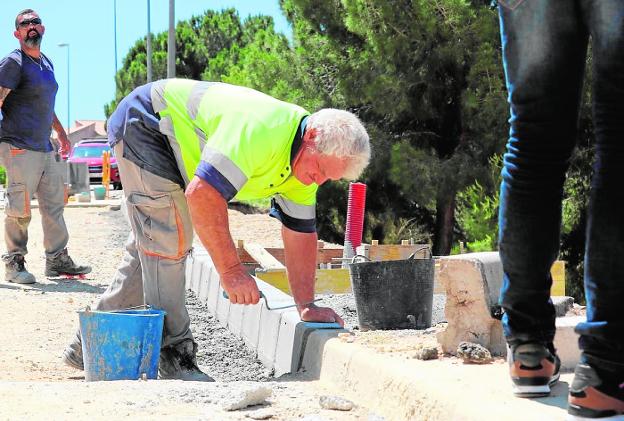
pixel 544 50
pixel 27 94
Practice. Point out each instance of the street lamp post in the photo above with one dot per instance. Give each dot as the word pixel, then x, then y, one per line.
pixel 171 47
pixel 115 32
pixel 149 44
pixel 65 44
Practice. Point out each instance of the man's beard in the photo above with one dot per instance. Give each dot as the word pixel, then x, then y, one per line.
pixel 33 41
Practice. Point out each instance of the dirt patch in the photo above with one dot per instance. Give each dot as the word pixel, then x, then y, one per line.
pixel 39 320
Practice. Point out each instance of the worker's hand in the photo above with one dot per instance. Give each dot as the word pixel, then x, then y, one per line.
pixel 64 145
pixel 313 313
pixel 240 287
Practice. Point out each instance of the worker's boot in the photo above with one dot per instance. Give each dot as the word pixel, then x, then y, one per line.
pixel 178 362
pixel 62 264
pixel 72 355
pixel 15 270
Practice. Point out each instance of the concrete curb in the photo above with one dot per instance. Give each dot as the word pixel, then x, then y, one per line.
pixel 409 389
pixel 278 336
pixel 400 388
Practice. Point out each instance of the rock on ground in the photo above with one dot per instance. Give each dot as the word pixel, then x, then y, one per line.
pixel 336 403
pixel 254 395
pixel 426 352
pixel 473 353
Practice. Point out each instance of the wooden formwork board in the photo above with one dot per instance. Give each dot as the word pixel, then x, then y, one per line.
pixel 383 252
pixel 337 281
pixel 323 255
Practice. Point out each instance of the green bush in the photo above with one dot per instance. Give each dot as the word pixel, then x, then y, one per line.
pixel 2 176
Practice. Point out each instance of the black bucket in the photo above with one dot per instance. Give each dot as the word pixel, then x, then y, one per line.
pixel 394 294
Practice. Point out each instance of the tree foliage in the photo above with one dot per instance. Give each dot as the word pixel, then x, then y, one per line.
pixel 208 47
pixel 426 78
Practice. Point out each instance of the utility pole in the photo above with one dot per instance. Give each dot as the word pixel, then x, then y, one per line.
pixel 66 44
pixel 171 47
pixel 115 32
pixel 149 45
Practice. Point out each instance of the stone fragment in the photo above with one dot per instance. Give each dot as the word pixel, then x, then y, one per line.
pixel 247 397
pixel 336 403
pixel 261 414
pixel 562 305
pixel 426 352
pixel 346 337
pixel 473 353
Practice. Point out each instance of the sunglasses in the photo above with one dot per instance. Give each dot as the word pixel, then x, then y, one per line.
pixel 27 22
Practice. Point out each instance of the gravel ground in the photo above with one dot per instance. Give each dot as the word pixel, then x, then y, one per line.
pixel 344 305
pixel 223 355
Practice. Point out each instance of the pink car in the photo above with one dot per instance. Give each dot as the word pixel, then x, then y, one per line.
pixel 90 151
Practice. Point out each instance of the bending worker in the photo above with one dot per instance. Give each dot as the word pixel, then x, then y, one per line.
pixel 184 149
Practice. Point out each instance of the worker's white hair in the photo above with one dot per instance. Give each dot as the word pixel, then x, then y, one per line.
pixel 340 133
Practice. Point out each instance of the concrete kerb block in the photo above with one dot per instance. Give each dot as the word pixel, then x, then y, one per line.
pixel 269 332
pixel 188 271
pixel 566 341
pixel 223 308
pixel 214 289
pixel 250 329
pixel 196 273
pixel 235 319
pixel 290 341
pixel 203 289
pixel 472 282
pixel 313 349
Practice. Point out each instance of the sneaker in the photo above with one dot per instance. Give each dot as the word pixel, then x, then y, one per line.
pixel 62 264
pixel 15 270
pixel 179 362
pixel 533 368
pixel 72 355
pixel 593 398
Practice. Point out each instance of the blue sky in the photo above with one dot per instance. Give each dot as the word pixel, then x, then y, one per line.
pixel 88 27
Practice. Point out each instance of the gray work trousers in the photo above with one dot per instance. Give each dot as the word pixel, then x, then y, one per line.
pixel 29 172
pixel 152 268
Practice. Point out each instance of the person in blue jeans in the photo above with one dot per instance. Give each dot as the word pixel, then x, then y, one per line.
pixel 545 46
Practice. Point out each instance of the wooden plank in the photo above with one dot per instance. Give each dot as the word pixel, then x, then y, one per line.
pixel 378 253
pixel 263 257
pixel 328 281
pixel 558 276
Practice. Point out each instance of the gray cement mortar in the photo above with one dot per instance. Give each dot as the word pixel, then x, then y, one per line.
pixel 223 355
pixel 226 358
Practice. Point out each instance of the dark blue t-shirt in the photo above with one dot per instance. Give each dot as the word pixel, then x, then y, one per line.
pixel 28 110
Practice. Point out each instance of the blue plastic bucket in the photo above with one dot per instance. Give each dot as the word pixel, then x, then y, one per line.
pixel 99 192
pixel 121 345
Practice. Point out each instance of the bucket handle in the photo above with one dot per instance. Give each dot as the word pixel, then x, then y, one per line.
pixel 142 306
pixel 361 256
pixel 413 255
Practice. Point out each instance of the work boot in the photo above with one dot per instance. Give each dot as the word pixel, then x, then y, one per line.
pixel 62 264
pixel 72 355
pixel 178 362
pixel 15 270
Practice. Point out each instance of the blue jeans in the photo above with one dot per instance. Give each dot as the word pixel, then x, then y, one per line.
pixel 544 53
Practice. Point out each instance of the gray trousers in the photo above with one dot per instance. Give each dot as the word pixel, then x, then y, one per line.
pixel 29 172
pixel 152 268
